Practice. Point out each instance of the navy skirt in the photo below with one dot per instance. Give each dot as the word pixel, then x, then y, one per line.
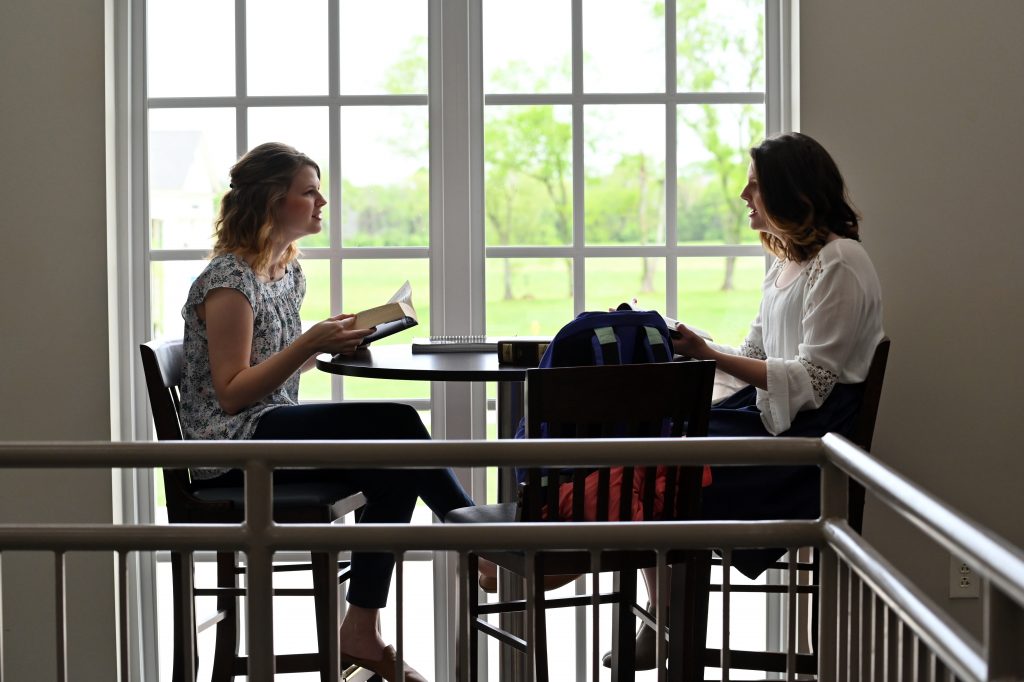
pixel 771 492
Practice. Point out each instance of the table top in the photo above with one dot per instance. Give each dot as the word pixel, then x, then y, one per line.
pixel 399 362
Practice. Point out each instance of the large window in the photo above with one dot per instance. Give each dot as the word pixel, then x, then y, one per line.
pixel 317 75
pixel 610 148
pixel 518 161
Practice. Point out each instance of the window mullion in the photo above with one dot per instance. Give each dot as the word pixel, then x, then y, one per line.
pixel 456 212
pixel 241 82
pixel 579 273
pixel 336 295
pixel 671 168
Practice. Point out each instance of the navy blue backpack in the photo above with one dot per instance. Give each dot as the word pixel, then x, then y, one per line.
pixel 620 337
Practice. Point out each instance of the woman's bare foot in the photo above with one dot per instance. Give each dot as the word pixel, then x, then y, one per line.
pixel 487 568
pixel 358 635
pixel 488 575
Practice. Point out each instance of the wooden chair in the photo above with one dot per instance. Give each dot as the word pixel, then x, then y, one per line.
pixel 807 565
pixel 162 366
pixel 646 400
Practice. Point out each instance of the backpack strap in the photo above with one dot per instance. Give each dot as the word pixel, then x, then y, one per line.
pixel 655 343
pixel 606 346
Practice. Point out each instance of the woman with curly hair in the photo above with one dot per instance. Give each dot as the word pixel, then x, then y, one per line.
pixel 244 349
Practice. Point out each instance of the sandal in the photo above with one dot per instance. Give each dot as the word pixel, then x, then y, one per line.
pixel 385 667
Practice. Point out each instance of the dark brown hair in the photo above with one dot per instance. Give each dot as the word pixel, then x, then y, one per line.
pixel 259 181
pixel 804 196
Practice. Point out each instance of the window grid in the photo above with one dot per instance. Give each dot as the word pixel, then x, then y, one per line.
pixel 775 99
pixel 579 251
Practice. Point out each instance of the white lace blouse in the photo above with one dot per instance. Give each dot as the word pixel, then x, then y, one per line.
pixel 819 330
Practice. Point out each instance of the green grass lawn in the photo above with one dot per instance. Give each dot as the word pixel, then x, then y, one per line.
pixel 540 305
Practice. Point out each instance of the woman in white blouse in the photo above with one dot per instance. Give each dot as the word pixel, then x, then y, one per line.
pixel 808 349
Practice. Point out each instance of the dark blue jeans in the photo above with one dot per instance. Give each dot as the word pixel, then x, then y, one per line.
pixel 752 493
pixel 390 493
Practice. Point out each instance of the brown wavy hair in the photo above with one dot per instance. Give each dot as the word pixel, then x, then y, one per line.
pixel 804 196
pixel 259 181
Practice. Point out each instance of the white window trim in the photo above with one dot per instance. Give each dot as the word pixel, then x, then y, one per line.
pixel 456 220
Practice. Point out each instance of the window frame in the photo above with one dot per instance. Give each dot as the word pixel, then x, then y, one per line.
pixel 457 253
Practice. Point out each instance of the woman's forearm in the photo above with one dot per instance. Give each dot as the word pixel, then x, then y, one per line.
pixel 749 370
pixel 252 384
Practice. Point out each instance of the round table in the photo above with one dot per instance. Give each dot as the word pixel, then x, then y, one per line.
pixel 399 362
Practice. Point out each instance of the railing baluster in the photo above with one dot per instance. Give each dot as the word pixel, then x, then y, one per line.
pixel 829 621
pixel 856 626
pixel 595 608
pixel 922 659
pixel 908 655
pixel 878 638
pixel 333 624
pixel 726 663
pixel 186 606
pixel 531 614
pixel 122 613
pixel 892 657
pixel 259 576
pixel 464 635
pixel 661 614
pixel 580 627
pixel 399 617
pixel 61 613
pixel 791 615
pixel 842 638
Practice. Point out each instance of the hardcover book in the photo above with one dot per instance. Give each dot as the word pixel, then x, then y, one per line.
pixel 390 318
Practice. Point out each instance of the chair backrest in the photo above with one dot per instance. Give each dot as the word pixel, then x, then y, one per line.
pixel 617 401
pixel 864 428
pixel 161 364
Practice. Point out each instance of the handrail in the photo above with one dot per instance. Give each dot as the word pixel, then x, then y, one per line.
pixel 993 558
pixel 997 559
pixel 403 453
pixel 942 634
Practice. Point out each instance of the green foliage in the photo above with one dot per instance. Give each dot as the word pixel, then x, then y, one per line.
pixel 625 206
pixel 528 176
pixel 386 215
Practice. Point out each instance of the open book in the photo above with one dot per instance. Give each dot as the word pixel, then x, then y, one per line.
pixel 392 317
pixel 669 322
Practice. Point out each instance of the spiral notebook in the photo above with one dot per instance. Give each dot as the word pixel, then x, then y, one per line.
pixel 467 343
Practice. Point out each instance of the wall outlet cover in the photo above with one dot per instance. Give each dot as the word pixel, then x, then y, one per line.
pixel 963 582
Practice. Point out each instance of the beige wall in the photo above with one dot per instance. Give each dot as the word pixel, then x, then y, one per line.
pixel 922 102
pixel 53 294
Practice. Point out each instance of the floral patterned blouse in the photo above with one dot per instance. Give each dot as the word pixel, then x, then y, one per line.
pixel 276 324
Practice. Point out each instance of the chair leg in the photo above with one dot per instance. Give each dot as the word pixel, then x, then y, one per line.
pixel 688 614
pixel 473 612
pixel 322 575
pixel 624 626
pixel 178 654
pixel 225 652
pixel 540 632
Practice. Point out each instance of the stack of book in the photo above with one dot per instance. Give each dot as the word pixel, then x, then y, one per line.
pixel 517 350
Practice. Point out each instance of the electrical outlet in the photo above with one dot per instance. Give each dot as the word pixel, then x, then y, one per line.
pixel 963 582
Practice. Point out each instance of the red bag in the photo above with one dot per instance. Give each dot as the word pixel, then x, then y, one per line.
pixel 565 496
